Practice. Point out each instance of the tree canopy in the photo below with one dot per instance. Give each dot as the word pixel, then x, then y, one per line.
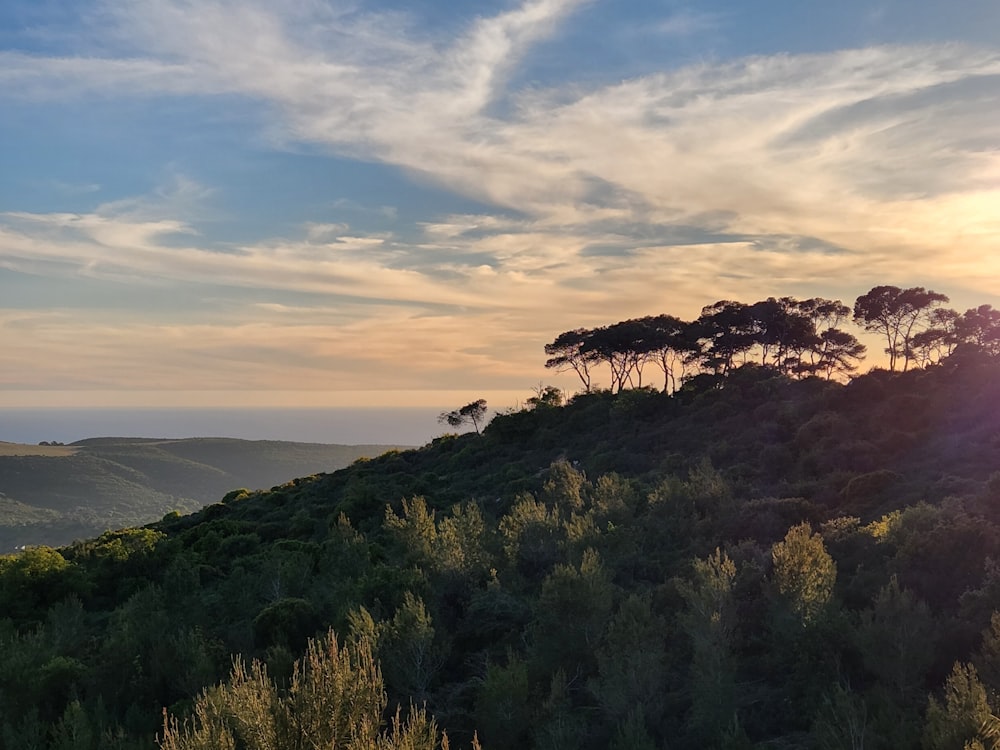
pixel 794 337
pixel 898 315
pixel 799 338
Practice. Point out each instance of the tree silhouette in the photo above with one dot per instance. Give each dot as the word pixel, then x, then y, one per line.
pixel 568 352
pixel 838 353
pixel 623 347
pixel 727 331
pixel 668 343
pixel 545 396
pixel 939 340
pixel 474 414
pixel 980 327
pixel 897 314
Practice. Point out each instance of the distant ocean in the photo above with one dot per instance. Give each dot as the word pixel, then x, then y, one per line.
pixel 386 426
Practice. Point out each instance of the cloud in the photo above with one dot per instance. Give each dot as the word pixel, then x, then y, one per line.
pixel 71 188
pixel 764 175
pixel 770 139
pixel 686 22
pixel 34 77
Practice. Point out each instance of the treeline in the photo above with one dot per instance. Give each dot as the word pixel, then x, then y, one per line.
pixel 798 338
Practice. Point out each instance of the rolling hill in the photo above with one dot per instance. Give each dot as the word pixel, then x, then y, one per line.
pixel 55 494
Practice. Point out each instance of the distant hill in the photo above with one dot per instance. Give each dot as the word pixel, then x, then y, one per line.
pixel 55 494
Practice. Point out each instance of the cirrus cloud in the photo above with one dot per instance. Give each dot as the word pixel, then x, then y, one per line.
pixel 799 174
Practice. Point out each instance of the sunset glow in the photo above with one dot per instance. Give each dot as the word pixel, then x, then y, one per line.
pixel 326 203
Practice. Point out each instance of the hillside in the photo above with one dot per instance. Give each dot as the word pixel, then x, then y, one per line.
pixel 773 563
pixel 55 494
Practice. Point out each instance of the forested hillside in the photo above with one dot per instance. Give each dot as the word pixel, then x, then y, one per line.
pixel 765 560
pixel 55 494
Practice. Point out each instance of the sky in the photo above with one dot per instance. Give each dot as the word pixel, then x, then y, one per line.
pixel 316 202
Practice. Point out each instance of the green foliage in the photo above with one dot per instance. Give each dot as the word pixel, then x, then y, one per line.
pixel 896 638
pixel 559 725
pixel 563 488
pixel 842 723
pixel 503 704
pixel 631 734
pixel 335 700
pixel 632 665
pixel 408 649
pixel 572 612
pixel 415 530
pixel 286 622
pixel 708 620
pixel 530 534
pixel 987 658
pixel 34 580
pixel 462 545
pixel 546 397
pixel 965 718
pixel 804 572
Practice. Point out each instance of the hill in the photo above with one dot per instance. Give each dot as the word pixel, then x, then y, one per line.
pixel 55 494
pixel 760 563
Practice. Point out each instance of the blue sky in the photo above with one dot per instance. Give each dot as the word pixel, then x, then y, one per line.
pixel 321 202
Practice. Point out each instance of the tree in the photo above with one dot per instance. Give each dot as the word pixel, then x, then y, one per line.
pixel 842 723
pixel 897 314
pixel 568 352
pixel 897 640
pixel 965 719
pixel 545 396
pixel 336 699
pixel 980 327
pixel 623 347
pixel 804 571
pixel 415 531
pixel 571 615
pixel 938 340
pixel 503 705
pixel 831 350
pixel 668 344
pixel 709 619
pixel 409 651
pixel 727 330
pixel 631 662
pixel 838 353
pixel 474 414
pixel 783 331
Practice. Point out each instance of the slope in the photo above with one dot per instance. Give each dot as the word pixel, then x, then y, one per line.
pixel 104 483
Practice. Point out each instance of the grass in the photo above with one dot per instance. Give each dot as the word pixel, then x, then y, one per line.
pixel 22 449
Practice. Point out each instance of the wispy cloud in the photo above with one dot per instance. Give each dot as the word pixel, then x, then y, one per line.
pixel 72 188
pixel 686 22
pixel 664 191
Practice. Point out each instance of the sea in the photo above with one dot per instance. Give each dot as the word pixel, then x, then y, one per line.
pixel 406 426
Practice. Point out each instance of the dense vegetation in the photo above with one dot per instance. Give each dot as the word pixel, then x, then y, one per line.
pixel 53 496
pixel 761 558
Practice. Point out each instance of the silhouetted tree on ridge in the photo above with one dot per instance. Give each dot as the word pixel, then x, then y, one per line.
pixel 473 413
pixel 899 315
pixel 795 337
